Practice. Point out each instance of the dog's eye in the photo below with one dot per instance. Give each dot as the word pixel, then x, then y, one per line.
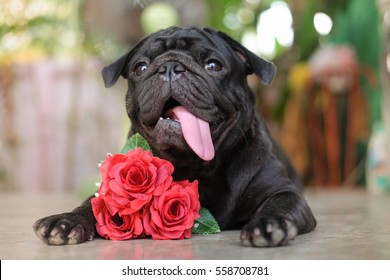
pixel 140 68
pixel 213 65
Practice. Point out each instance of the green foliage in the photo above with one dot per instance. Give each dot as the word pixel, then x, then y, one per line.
pixel 358 26
pixel 134 142
pixel 217 12
pixel 206 224
pixel 306 37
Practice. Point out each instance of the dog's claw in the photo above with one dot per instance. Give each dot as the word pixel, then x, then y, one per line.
pixel 68 228
pixel 268 232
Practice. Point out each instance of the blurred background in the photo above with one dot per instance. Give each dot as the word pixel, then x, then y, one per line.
pixel 329 105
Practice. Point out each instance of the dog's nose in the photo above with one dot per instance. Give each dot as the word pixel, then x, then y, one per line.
pixel 171 70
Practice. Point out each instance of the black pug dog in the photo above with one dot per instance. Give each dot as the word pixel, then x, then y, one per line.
pixel 188 97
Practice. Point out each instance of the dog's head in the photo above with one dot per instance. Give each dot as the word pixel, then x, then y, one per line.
pixel 187 92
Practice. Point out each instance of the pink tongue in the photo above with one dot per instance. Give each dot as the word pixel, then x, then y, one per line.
pixel 196 132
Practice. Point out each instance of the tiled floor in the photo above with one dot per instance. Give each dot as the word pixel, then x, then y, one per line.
pixel 351 225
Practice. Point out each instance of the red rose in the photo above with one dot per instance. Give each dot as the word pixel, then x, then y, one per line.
pixel 172 215
pixel 131 180
pixel 138 198
pixel 116 227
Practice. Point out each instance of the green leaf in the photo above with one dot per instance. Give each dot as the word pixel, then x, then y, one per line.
pixel 205 224
pixel 134 142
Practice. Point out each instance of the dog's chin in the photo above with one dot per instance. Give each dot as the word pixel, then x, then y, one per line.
pixel 167 135
pixel 167 141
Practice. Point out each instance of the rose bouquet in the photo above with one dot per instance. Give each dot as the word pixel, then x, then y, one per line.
pixel 138 198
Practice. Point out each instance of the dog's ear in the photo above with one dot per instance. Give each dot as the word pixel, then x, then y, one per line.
pixel 112 72
pixel 263 69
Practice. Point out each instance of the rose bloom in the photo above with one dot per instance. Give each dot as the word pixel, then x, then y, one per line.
pixel 116 227
pixel 172 215
pixel 129 181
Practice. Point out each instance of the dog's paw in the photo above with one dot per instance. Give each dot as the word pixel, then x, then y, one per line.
pixel 62 229
pixel 268 232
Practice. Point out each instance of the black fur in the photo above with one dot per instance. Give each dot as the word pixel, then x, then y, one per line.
pixel 250 184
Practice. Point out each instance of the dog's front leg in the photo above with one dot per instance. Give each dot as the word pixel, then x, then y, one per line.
pixel 278 221
pixel 67 228
pixel 275 207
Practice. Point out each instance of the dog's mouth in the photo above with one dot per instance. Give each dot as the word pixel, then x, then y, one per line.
pixel 195 131
pixel 167 112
